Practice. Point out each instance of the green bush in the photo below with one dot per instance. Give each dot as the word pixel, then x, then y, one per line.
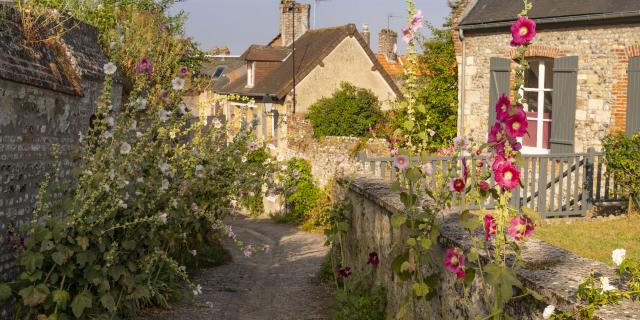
pixel 253 201
pixel 621 156
pixel 351 111
pixel 360 303
pixel 300 193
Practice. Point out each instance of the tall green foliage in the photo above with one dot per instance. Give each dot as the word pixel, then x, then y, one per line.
pixel 621 155
pixel 350 111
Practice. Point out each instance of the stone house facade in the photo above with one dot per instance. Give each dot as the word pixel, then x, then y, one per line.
pixel 584 81
pixel 48 93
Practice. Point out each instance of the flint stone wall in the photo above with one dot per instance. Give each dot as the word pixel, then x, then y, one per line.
pixel 47 95
pixel 554 273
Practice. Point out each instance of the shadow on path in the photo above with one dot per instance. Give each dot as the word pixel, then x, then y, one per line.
pixel 280 284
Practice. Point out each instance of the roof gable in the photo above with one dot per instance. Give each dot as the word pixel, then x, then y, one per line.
pixel 504 11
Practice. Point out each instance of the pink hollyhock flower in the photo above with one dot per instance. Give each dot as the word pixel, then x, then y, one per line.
pixel 523 31
pixel 427 169
pixel 401 162
pixel 374 260
pixel 456 184
pixel 184 71
pixel 517 124
pixel 407 34
pixel 502 108
pixel 248 251
pixel 345 272
pixel 520 227
pixel 144 66
pixel 483 185
pixel 417 21
pixel 454 262
pixel 489 226
pixel 461 142
pixel 495 134
pixel 506 174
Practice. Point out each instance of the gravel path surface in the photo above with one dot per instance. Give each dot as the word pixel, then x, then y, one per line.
pixel 281 284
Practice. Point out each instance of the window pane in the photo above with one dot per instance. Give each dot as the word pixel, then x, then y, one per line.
pixel 532 101
pixel 531 76
pixel 548 102
pixel 548 76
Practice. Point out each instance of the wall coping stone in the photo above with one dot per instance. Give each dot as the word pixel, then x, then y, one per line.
pixel 553 272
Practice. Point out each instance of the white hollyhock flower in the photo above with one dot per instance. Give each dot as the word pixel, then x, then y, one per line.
pixel 604 281
pixel 280 158
pixel 193 252
pixel 164 167
pixel 89 173
pixel 217 124
pixel 618 256
pixel 107 188
pixel 134 125
pixel 183 268
pixel 164 115
pixel 107 135
pixel 111 121
pixel 548 311
pixel 163 217
pixel 110 68
pixel 125 148
pixel 142 103
pixel 197 290
pixel 165 185
pixel 177 83
pixel 174 204
pixel 199 168
pixel 138 134
pixel 140 180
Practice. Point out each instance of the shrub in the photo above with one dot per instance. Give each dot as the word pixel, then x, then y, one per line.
pixel 350 111
pixel 621 156
pixel 300 193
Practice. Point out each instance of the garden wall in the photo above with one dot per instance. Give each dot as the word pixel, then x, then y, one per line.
pixel 550 271
pixel 328 154
pixel 47 96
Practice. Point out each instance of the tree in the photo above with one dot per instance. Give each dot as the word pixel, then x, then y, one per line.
pixel 350 111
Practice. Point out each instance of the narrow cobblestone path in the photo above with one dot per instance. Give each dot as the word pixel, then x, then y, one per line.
pixel 281 284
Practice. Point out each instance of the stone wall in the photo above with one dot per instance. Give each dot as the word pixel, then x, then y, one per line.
pixel 327 155
pixel 550 271
pixel 602 76
pixel 46 98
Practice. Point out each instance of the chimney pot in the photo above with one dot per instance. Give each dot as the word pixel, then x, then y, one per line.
pixel 366 34
pixel 290 10
pixel 387 44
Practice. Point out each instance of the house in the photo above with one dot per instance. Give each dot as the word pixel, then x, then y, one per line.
pixel 584 80
pixel 285 77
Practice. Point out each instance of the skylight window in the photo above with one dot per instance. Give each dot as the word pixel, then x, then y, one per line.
pixel 218 72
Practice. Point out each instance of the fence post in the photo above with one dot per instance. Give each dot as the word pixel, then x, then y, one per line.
pixel 589 162
pixel 542 187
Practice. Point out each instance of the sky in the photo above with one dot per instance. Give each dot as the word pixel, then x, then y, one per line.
pixel 240 23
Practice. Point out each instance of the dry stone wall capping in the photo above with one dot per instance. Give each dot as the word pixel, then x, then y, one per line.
pixel 553 272
pixel 42 106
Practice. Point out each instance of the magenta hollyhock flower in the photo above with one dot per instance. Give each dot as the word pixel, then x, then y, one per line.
pixel 184 71
pixel 506 174
pixel 495 134
pixel 517 124
pixel 407 34
pixel 401 162
pixel 483 185
pixel 456 184
pixel 502 108
pixel 520 227
pixel 489 226
pixel 144 66
pixel 454 261
pixel 523 31
pixel 417 21
pixel 374 260
pixel 345 272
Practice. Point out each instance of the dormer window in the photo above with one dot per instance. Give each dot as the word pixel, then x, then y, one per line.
pixel 251 74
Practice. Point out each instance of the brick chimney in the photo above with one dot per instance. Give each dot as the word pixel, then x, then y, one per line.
pixel 388 44
pixel 366 34
pixel 288 10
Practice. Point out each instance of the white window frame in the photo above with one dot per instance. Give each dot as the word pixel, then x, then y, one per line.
pixel 251 74
pixel 540 120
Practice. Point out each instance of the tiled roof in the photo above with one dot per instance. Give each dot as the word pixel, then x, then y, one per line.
pixel 265 53
pixel 494 11
pixel 393 68
pixel 310 49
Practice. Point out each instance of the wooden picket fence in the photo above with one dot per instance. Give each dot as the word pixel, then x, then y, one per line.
pixel 558 185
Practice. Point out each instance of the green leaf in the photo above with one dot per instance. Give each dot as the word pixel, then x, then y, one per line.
pixel 421 108
pixel 129 244
pixel 59 258
pixel 411 242
pixel 408 125
pixel 395 186
pixel 397 220
pixel 81 302
pixel 470 221
pixel 31 261
pixel 469 275
pixel 5 291
pixel 108 302
pixel 343 226
pixel 33 296
pixel 405 266
pixel 426 243
pixel 117 272
pixel 83 242
pixel 420 289
pixel 413 174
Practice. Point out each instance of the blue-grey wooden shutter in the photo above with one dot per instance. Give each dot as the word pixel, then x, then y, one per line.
pixel 498 84
pixel 633 97
pixel 563 119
